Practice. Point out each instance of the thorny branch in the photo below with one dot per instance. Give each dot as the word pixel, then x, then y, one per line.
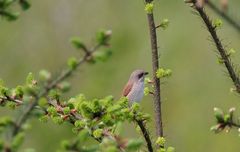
pixel 155 66
pixel 223 53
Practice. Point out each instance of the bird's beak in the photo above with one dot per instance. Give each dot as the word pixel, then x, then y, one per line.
pixel 145 73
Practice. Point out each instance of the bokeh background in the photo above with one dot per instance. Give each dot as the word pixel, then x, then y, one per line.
pixel 39 39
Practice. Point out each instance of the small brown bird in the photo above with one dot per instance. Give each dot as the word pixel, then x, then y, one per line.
pixel 134 89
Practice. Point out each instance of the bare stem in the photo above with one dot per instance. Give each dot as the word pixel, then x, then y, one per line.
pixel 145 135
pixel 223 53
pixel 155 66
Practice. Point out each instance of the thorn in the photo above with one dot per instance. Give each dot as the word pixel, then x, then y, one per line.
pixel 158 26
pixel 151 92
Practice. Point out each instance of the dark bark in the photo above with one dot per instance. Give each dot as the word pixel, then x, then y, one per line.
pixel 155 66
pixel 223 53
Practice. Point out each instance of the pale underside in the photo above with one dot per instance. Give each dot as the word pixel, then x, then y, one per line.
pixel 136 92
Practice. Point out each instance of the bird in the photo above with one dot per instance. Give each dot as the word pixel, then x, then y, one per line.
pixel 134 89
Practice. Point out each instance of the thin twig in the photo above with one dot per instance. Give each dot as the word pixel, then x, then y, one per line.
pixel 223 53
pixel 25 115
pixel 8 98
pixel 224 15
pixel 155 66
pixel 145 135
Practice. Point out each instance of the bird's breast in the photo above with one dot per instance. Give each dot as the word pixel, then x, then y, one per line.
pixel 136 93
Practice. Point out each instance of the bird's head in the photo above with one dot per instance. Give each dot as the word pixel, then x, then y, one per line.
pixel 138 76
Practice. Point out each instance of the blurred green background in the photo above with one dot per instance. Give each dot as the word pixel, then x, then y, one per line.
pixel 39 39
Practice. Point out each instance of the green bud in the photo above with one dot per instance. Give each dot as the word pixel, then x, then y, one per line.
pixel 161 150
pixel 4 121
pixel 161 73
pixel 72 63
pixel 123 102
pixel 220 60
pixel 146 117
pixel 86 110
pixel 75 130
pixel 109 98
pixel 18 91
pixel 7 3
pixel 79 124
pixel 106 101
pixel 58 120
pixel 217 23
pixel 44 75
pixel 135 106
pixel 161 141
pixel 149 8
pixel 146 91
pixel 107 119
pixel 164 24
pixel 97 133
pixel 44 118
pixel 64 86
pixel 66 110
pixel 24 4
pixel 147 80
pixel 231 51
pixel 114 108
pixel 30 79
pixel 81 98
pixel 11 105
pixel 11 16
pixel 52 110
pixel 103 37
pixel 54 94
pixel 4 91
pixel 168 72
pixel 102 55
pixel 77 43
pixel 227 118
pixel 42 102
pixel 219 115
pixel 65 144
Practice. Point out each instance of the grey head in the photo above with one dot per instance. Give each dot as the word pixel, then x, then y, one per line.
pixel 138 75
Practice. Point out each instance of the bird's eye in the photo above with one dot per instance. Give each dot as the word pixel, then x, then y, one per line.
pixel 140 75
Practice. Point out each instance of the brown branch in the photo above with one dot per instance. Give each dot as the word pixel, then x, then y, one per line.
pixel 145 134
pixel 223 53
pixel 8 98
pixel 224 15
pixel 155 66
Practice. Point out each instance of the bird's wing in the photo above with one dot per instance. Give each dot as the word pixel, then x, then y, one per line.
pixel 127 89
